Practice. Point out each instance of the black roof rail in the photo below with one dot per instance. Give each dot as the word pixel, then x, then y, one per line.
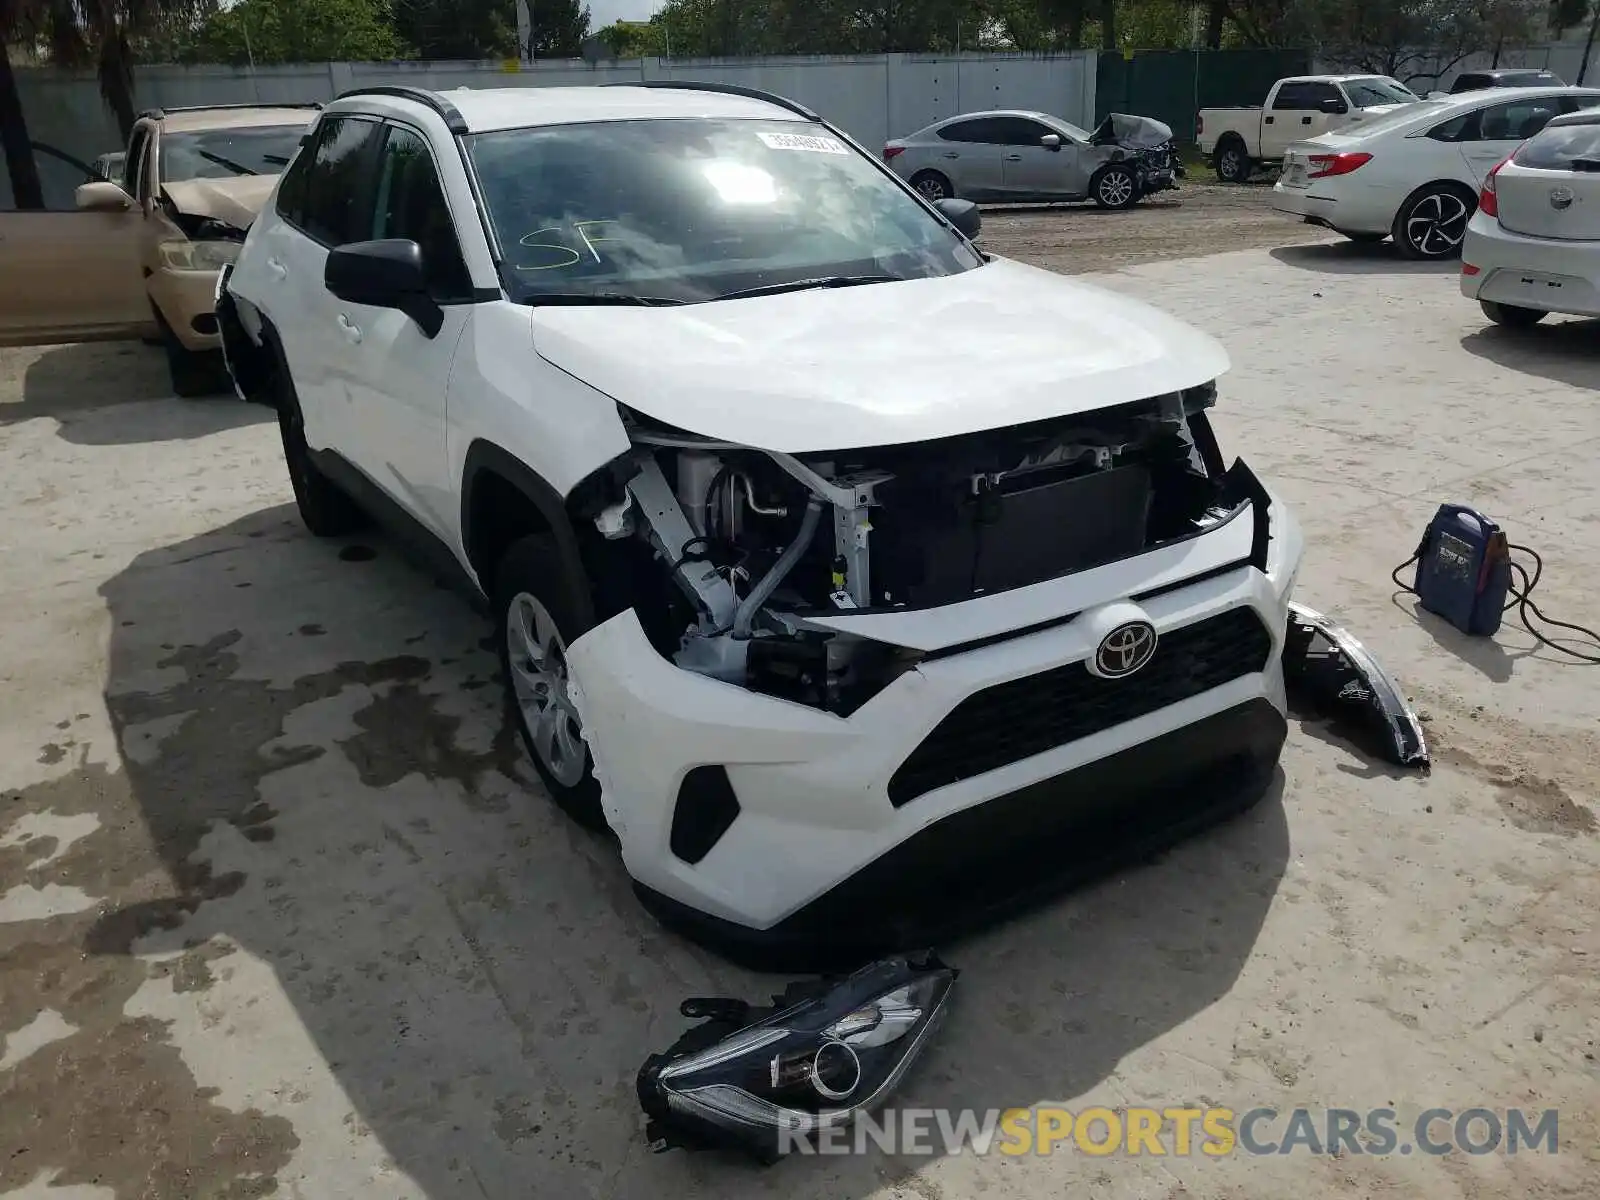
pixel 157 113
pixel 726 89
pixel 453 120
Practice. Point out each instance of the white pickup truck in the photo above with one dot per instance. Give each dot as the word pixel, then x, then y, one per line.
pixel 1237 140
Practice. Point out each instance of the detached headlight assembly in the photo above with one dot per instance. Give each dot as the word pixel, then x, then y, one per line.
pixel 760 1080
pixel 199 256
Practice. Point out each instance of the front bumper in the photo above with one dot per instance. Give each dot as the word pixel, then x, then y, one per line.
pixel 187 303
pixel 1529 272
pixel 821 863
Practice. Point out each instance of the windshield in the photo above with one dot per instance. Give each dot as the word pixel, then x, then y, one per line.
pixel 226 153
pixel 1369 93
pixel 689 210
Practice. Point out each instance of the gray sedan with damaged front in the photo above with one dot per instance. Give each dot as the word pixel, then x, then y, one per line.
pixel 1032 156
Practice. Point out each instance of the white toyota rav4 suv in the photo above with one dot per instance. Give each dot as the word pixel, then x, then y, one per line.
pixel 860 582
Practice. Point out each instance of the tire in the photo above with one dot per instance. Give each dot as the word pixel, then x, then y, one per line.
pixel 1115 187
pixel 1432 223
pixel 1363 239
pixel 534 623
pixel 195 373
pixel 1230 161
pixel 1512 316
pixel 933 185
pixel 326 509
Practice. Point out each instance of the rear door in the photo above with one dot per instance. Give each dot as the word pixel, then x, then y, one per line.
pixel 67 275
pixel 1029 169
pixel 970 154
pixel 1551 188
pixel 1495 130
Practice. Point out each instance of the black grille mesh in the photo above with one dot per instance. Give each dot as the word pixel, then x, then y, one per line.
pixel 1015 720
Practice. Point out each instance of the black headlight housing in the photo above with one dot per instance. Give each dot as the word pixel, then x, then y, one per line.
pixel 758 1080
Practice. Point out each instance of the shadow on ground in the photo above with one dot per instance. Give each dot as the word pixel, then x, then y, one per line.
pixel 1358 258
pixel 313 755
pixel 1563 351
pixel 89 389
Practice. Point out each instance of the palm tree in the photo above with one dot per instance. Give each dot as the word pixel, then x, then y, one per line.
pixel 19 20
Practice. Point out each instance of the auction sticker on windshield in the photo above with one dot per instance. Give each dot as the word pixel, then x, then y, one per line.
pixel 803 141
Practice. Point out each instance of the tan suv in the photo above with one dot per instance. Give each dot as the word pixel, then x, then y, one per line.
pixel 140 255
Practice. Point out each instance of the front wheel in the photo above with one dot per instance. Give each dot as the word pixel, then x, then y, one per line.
pixel 536 624
pixel 1116 187
pixel 1432 223
pixel 1512 316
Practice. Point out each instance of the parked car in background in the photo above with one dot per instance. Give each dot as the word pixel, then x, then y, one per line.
pixel 1032 156
pixel 1476 81
pixel 1533 246
pixel 1238 140
pixel 1415 173
pixel 140 255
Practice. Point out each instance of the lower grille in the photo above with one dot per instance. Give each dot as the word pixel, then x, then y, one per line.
pixel 1016 720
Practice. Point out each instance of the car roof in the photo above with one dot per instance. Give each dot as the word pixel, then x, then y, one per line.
pixel 1584 116
pixel 199 120
pixel 1334 78
pixel 485 110
pixel 1030 113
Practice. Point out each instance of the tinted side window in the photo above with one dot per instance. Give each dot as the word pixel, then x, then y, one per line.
pixel 1516 120
pixel 338 180
pixel 1457 129
pixel 1294 96
pixel 979 130
pixel 291 200
pixel 1018 131
pixel 410 204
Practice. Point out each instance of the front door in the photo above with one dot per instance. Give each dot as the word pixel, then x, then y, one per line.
pixel 68 275
pixel 398 375
pixel 1033 170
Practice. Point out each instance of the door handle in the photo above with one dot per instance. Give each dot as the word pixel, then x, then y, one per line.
pixel 278 270
pixel 1013 158
pixel 1305 120
pixel 352 333
pixel 1266 120
pixel 951 154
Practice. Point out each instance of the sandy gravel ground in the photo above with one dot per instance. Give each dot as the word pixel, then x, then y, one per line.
pixel 283 913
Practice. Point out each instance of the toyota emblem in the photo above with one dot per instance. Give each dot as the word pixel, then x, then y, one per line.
pixel 1125 649
pixel 1560 198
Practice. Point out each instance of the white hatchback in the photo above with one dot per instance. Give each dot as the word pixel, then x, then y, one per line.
pixel 1414 174
pixel 1533 247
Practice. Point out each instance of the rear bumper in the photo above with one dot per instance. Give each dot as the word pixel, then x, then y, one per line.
pixel 980 864
pixel 1352 210
pixel 1530 272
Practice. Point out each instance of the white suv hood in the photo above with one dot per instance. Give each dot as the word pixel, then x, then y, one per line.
pixel 882 363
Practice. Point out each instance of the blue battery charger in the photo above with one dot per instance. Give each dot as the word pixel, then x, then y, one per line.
pixel 1464 569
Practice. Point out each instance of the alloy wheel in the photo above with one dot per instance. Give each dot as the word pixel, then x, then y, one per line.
pixel 539 679
pixel 1437 224
pixel 1116 188
pixel 931 188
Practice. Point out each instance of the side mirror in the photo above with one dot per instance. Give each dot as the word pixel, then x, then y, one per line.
pixel 1051 141
pixel 384 274
pixel 101 196
pixel 1334 107
pixel 963 214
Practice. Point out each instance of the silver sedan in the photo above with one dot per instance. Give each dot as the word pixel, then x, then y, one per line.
pixel 1016 155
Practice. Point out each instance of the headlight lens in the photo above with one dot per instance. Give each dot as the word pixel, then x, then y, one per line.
pixel 199 256
pixel 758 1080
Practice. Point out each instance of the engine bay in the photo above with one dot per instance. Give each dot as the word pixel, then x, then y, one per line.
pixel 730 554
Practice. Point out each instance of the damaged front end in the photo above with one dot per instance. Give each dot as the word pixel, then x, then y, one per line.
pixel 762 549
pixel 1144 144
pixel 763 1081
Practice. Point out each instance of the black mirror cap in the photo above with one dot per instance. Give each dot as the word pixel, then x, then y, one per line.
pixel 963 214
pixel 381 273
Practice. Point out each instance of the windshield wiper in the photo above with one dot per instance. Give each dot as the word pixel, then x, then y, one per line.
pixel 801 285
pixel 236 168
pixel 538 298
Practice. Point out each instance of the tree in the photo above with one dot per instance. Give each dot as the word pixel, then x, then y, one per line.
pixel 1419 39
pixel 457 28
pixel 20 20
pixel 278 31
pixel 559 28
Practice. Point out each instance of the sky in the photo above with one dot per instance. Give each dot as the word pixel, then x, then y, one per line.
pixel 603 12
